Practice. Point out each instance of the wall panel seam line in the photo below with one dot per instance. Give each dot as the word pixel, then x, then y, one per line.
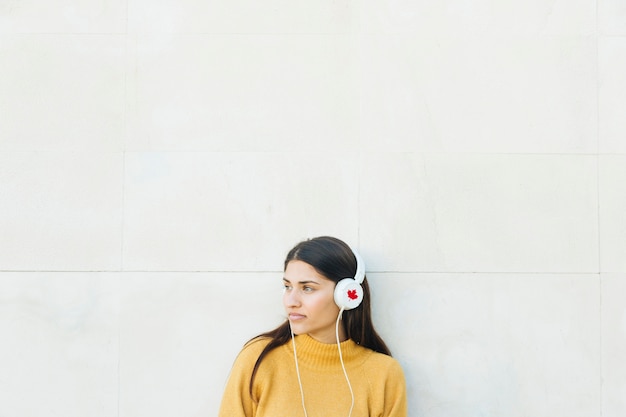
pixel 123 216
pixel 371 271
pixel 598 207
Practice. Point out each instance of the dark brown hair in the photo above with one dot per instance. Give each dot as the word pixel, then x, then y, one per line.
pixel 333 259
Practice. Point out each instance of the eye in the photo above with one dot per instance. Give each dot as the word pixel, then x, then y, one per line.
pixel 286 287
pixel 306 288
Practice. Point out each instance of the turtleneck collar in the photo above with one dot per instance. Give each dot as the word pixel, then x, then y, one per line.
pixel 325 356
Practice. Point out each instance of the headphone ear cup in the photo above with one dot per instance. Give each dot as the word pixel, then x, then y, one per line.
pixel 348 294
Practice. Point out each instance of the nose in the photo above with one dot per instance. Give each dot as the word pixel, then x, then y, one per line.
pixel 291 298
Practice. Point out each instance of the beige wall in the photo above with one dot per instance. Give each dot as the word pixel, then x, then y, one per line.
pixel 158 159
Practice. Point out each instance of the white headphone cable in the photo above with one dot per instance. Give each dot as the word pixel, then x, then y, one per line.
pixel 343 366
pixel 295 357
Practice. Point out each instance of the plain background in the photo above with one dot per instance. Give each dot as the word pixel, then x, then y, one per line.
pixel 159 158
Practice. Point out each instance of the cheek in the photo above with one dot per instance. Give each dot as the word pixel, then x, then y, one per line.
pixel 329 307
pixel 322 303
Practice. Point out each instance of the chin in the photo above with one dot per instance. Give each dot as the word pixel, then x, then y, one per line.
pixel 297 328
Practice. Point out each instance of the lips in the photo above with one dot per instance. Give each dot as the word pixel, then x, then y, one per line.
pixel 295 316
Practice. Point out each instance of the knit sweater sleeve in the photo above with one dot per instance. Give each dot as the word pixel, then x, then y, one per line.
pixel 236 401
pixel 395 392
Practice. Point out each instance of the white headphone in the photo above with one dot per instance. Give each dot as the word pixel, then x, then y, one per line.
pixel 348 291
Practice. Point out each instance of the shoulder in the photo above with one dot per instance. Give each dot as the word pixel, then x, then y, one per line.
pixel 387 385
pixel 386 377
pixel 252 350
pixel 248 356
pixel 382 364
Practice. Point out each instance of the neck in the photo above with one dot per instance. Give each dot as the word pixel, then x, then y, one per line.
pixel 330 337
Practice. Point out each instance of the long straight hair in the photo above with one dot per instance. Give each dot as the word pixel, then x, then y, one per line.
pixel 333 259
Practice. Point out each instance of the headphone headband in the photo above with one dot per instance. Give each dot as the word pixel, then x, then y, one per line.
pixel 360 268
pixel 348 291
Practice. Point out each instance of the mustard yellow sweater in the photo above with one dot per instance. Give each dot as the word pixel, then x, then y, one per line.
pixel 377 381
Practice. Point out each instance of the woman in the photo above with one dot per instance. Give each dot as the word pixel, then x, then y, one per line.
pixel 326 359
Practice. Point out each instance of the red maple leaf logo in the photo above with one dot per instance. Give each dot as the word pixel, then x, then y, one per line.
pixel 352 294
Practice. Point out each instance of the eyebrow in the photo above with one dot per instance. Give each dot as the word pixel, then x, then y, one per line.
pixel 302 282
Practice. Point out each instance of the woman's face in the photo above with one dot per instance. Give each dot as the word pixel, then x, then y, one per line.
pixel 309 302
